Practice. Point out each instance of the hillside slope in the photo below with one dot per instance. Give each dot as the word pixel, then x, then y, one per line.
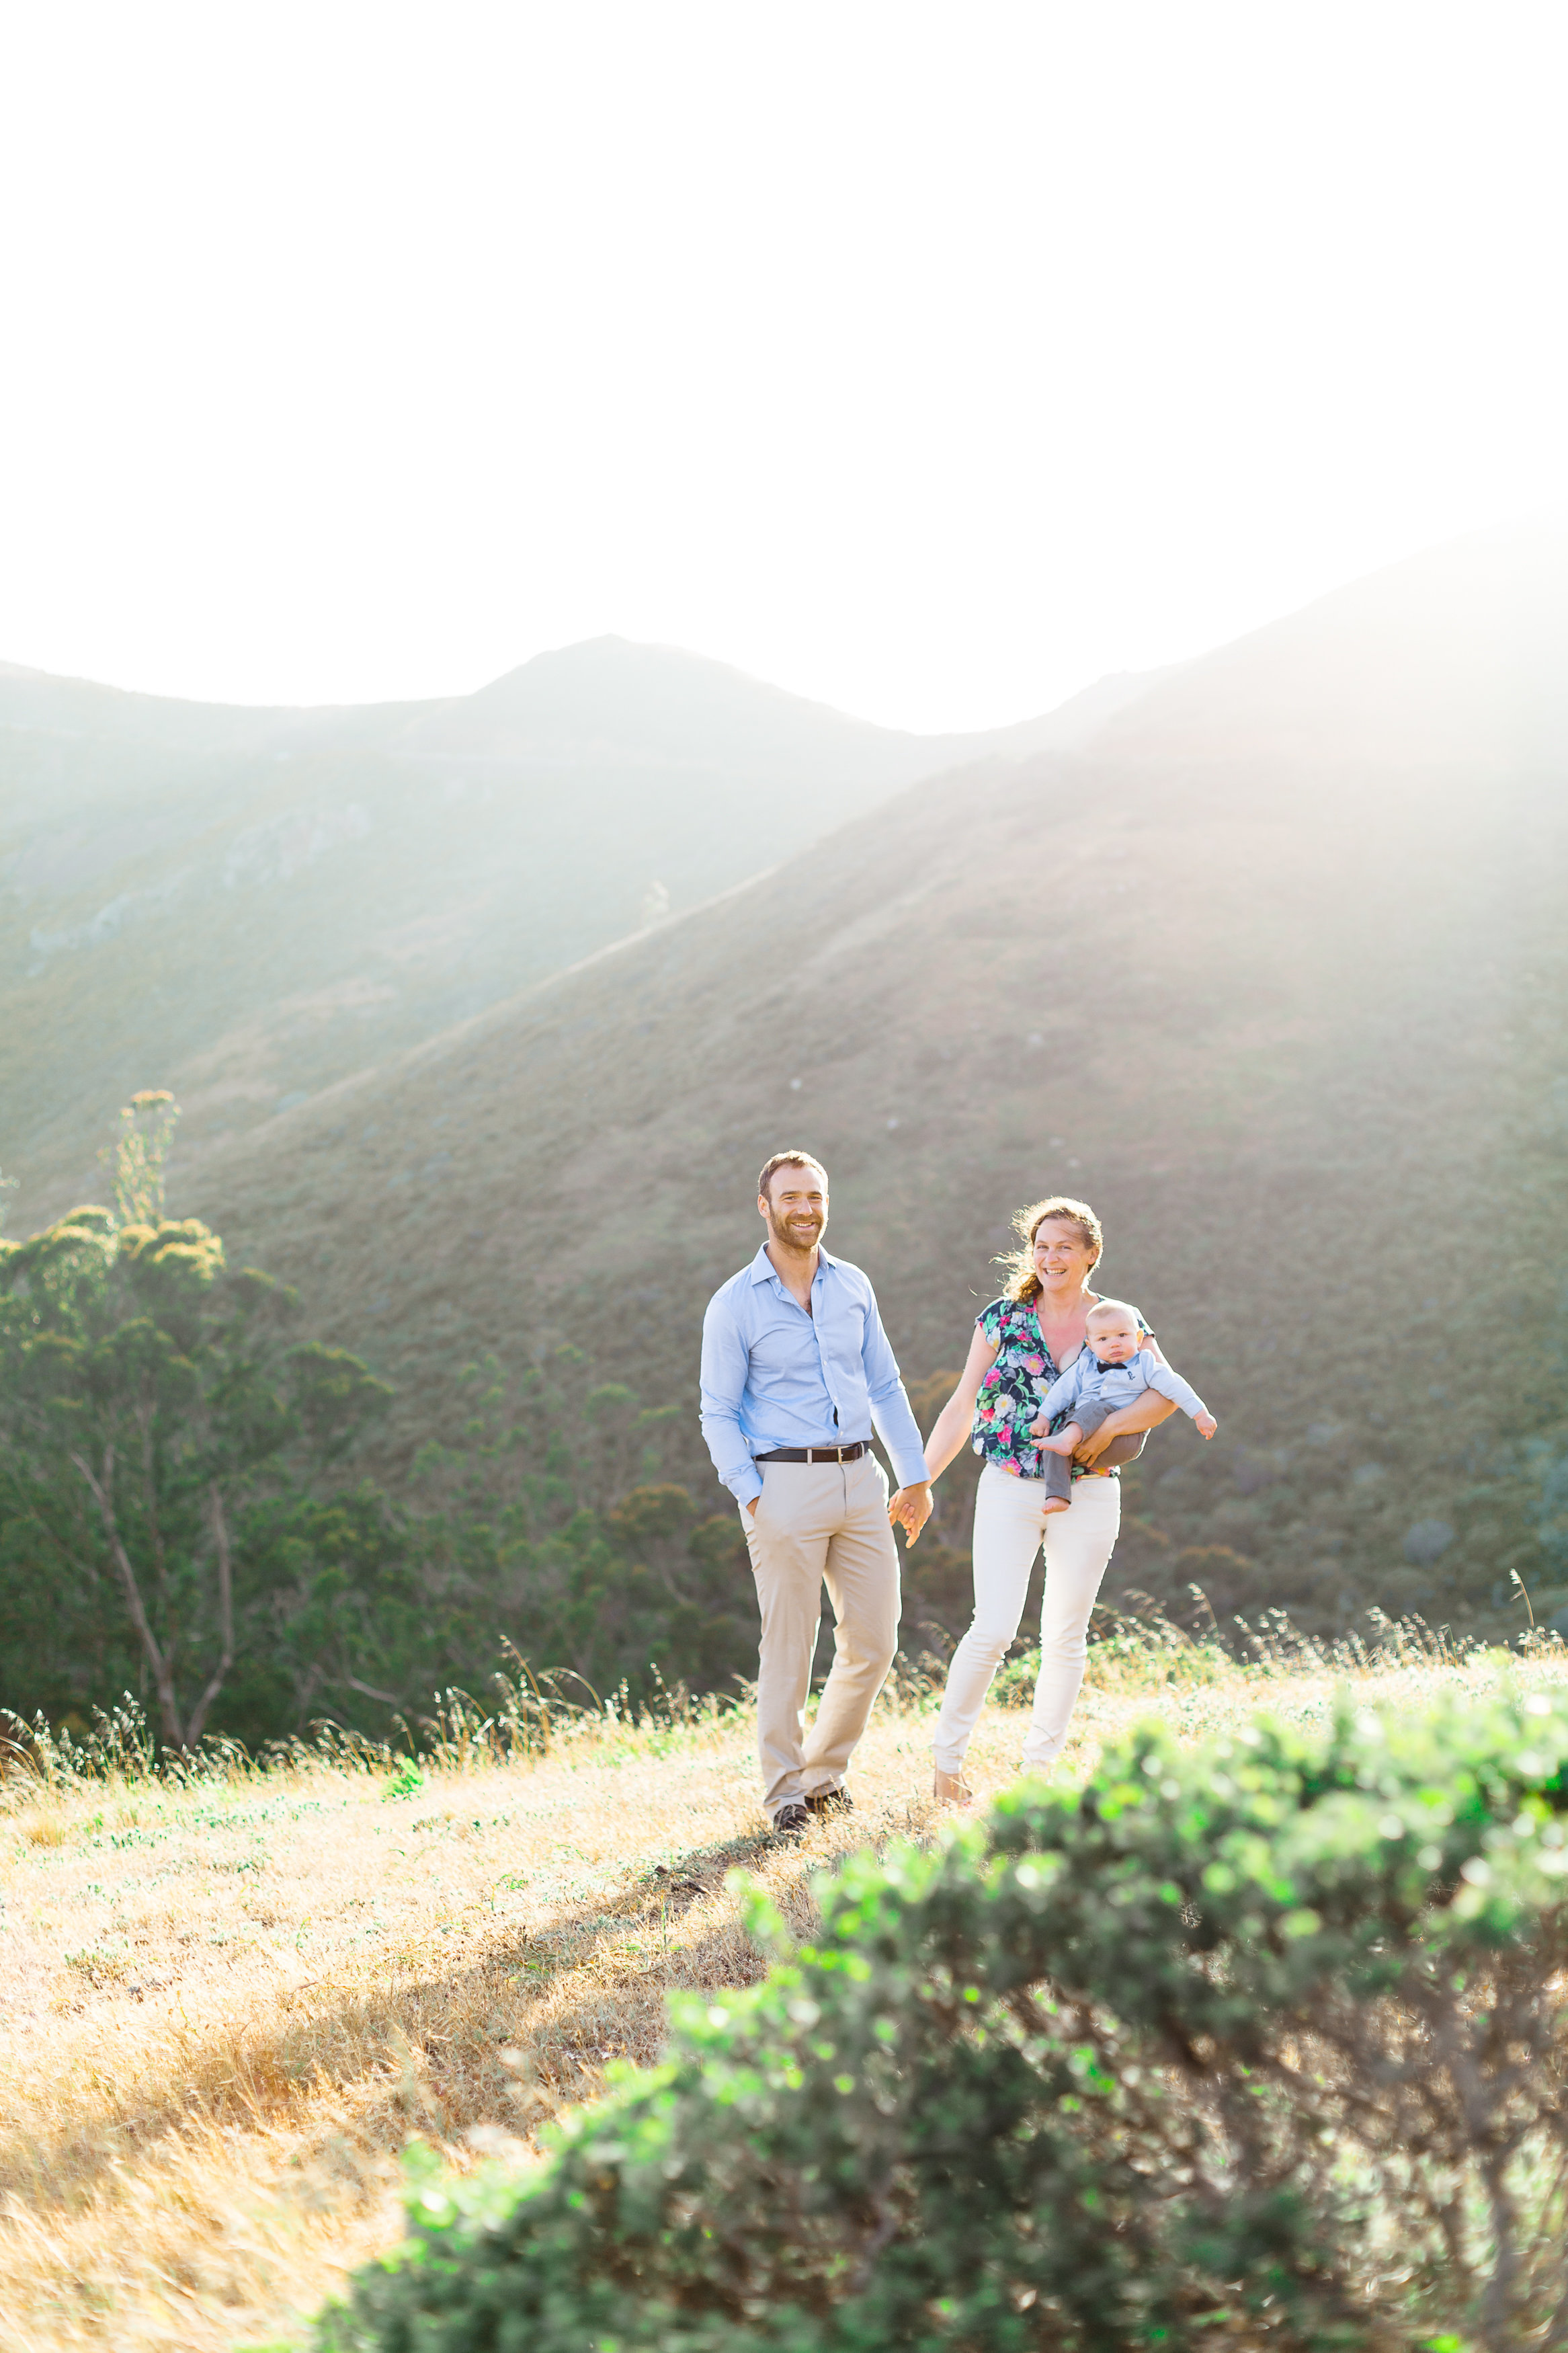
pixel 233 2001
pixel 248 905
pixel 1272 972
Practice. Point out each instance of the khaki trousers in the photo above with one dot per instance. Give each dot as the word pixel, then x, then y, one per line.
pixel 819 1523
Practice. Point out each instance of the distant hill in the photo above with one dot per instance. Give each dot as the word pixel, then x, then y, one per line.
pixel 247 906
pixel 1272 969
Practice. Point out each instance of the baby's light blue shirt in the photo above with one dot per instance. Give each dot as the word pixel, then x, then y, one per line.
pixel 1087 1381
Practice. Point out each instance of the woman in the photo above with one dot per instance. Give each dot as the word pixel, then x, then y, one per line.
pixel 1022 1342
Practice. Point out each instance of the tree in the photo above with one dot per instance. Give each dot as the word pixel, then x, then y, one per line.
pixel 149 1401
pixel 140 1156
pixel 531 1527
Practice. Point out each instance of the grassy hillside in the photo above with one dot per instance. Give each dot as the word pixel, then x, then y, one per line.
pixel 1271 971
pixel 231 2001
pixel 248 905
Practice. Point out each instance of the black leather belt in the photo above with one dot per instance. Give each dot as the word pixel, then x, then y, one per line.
pixel 815 1453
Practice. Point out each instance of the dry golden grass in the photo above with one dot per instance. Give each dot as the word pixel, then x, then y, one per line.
pixel 228 2005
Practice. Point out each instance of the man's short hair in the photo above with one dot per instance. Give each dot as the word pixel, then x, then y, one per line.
pixel 789 1160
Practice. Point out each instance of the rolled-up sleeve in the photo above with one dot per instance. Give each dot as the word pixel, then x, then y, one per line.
pixel 891 1409
pixel 725 1361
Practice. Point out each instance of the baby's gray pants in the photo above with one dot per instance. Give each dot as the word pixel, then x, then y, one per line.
pixel 1057 1468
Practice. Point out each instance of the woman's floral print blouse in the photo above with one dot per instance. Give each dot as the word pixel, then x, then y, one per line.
pixel 1013 1390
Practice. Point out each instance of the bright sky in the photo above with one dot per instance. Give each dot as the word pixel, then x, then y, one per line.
pixel 929 359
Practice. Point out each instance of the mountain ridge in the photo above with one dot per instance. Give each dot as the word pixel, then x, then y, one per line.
pixel 249 904
pixel 1292 1031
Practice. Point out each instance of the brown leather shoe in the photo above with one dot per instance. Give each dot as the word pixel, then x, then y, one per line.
pixel 790 1821
pixel 830 1802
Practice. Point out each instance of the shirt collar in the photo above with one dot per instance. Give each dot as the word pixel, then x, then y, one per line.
pixel 764 1270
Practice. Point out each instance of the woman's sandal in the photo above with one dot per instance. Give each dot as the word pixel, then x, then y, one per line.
pixel 950 1788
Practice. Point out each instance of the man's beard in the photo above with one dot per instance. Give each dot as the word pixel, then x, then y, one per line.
pixel 799 1238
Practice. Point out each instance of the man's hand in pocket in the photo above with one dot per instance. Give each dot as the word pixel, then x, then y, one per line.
pixel 751 1506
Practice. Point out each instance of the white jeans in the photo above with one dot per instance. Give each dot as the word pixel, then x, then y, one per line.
pixel 1009 1525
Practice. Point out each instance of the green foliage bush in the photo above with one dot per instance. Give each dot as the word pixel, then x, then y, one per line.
pixel 1258 2043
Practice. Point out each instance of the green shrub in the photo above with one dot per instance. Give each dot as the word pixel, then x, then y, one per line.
pixel 1260 2041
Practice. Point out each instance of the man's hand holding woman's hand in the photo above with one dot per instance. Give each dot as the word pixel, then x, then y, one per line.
pixel 909 1509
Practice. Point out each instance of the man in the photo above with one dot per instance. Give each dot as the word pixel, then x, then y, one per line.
pixel 795 1370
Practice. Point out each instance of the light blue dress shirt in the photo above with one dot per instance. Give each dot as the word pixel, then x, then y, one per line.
pixel 773 1375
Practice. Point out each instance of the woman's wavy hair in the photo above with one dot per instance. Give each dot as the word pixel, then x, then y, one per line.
pixel 1022 1282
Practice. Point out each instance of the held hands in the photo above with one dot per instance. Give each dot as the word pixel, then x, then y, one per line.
pixel 1205 1424
pixel 909 1509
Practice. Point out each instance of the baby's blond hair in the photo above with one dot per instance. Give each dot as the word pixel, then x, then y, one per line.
pixel 1112 1307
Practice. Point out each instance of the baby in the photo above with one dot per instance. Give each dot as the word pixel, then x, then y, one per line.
pixel 1109 1370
